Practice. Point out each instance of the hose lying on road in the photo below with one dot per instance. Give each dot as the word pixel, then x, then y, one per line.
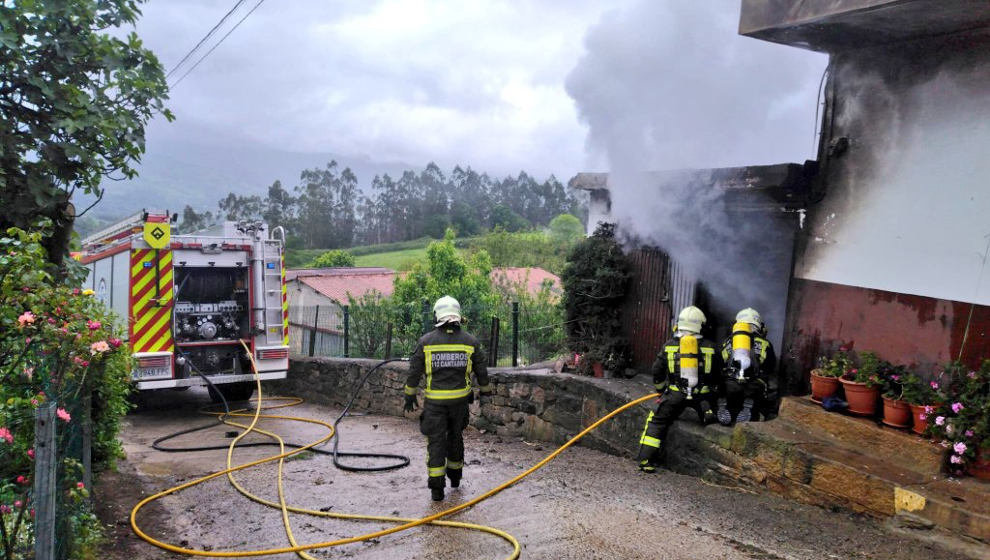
pixel 404 523
pixel 400 460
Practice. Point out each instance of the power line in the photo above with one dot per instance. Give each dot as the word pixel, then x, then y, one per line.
pixel 204 39
pixel 213 48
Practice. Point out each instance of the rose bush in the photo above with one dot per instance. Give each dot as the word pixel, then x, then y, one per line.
pixel 57 343
pixel 961 420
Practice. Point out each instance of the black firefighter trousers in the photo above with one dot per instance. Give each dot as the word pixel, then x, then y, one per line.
pixel 442 424
pixel 672 404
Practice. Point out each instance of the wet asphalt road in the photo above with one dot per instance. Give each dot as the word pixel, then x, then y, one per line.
pixel 583 505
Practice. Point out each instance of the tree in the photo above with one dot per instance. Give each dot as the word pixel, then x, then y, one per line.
pixel 235 207
pixel 566 229
pixel 74 102
pixel 445 272
pixel 326 204
pixel 195 221
pixel 595 283
pixel 279 207
pixel 332 259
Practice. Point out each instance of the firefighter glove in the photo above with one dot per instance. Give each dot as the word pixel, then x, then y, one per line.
pixel 411 403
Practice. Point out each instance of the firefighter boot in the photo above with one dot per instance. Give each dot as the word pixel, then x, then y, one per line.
pixel 724 416
pixel 436 494
pixel 455 477
pixel 707 416
pixel 747 411
pixel 646 466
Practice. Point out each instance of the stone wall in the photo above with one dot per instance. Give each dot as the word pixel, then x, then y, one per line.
pixel 536 405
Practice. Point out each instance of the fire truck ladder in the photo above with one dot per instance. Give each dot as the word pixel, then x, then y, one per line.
pixel 271 260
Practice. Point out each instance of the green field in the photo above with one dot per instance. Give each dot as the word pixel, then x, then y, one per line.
pixel 396 260
pixel 397 256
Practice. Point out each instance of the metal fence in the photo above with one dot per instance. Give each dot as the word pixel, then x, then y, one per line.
pixel 512 334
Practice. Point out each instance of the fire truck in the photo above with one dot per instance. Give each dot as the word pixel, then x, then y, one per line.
pixel 187 302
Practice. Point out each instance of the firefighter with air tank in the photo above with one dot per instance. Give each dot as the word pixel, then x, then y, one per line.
pixel 750 364
pixel 684 375
pixel 446 357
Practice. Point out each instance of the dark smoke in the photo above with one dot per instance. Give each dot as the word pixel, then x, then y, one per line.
pixel 671 86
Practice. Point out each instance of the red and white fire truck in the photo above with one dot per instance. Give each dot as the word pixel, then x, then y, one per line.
pixel 187 302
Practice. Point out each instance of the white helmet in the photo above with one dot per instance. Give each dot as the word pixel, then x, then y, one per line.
pixel 690 319
pixel 751 316
pixel 446 310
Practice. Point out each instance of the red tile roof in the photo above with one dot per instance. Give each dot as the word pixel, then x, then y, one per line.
pixel 533 277
pixel 336 283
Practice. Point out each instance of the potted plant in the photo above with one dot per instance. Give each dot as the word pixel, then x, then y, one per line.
pixel 920 396
pixel 896 411
pixel 962 421
pixel 862 385
pixel 825 377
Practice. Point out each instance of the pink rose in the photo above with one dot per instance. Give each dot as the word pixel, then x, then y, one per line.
pixel 956 459
pixel 80 485
pixel 115 342
pixel 6 435
pixel 959 447
pixel 26 318
pixel 21 479
pixel 971 375
pixel 969 433
pixel 63 415
pixel 18 504
pixel 30 453
pixel 99 347
pixel 5 508
pixel 929 409
pixel 922 417
pixel 93 325
pixel 940 420
pixel 956 407
pixel 934 385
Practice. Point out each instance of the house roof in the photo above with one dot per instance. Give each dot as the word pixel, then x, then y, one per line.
pixel 337 283
pixel 532 276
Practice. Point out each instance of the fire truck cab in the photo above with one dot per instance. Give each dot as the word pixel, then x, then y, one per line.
pixel 189 304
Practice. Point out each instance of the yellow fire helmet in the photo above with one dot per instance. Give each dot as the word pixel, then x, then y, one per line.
pixel 751 316
pixel 690 319
pixel 447 310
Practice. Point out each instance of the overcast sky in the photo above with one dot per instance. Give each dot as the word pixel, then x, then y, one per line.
pixel 471 82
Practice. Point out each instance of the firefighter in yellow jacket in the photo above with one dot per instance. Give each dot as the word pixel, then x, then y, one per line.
pixel 446 356
pixel 750 370
pixel 684 375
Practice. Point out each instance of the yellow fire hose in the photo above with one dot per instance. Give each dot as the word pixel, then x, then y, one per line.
pixel 406 523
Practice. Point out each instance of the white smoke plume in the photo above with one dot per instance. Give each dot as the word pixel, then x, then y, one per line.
pixel 672 86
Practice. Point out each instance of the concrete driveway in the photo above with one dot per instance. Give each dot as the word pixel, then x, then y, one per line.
pixel 583 505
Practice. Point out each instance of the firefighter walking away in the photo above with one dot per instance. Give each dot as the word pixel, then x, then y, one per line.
pixel 684 375
pixel 446 357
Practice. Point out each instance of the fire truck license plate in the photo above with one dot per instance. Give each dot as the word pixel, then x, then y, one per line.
pixel 152 372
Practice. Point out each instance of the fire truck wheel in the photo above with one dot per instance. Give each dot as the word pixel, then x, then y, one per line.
pixel 232 392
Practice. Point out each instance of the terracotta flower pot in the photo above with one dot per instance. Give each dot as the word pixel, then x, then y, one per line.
pixel 918 425
pixel 822 386
pixel 598 369
pixel 862 399
pixel 896 413
pixel 980 466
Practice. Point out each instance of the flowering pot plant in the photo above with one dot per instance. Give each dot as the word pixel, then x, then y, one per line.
pixel 825 377
pixel 862 385
pixel 56 345
pixel 896 411
pixel 962 421
pixel 921 396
